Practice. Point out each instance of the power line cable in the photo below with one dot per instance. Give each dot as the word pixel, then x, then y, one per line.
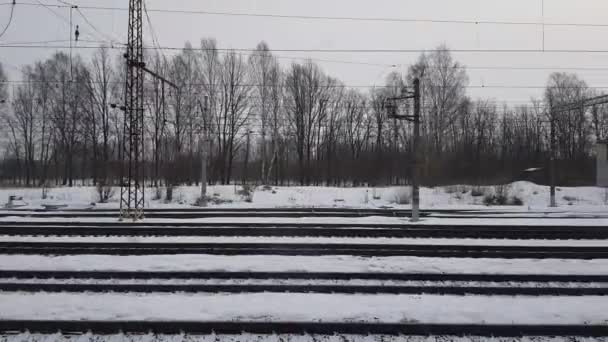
pixel 337 86
pixel 473 51
pixel 352 18
pixel 10 19
pixel 111 39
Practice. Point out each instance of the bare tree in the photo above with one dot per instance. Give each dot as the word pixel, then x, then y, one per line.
pixel 102 75
pixel 306 99
pixel 234 112
pixel 264 69
pixel 572 126
pixel 443 82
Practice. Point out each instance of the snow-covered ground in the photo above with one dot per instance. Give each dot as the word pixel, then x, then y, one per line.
pixel 306 307
pixel 271 281
pixel 561 219
pixel 460 196
pixel 277 263
pixel 575 203
pixel 27 337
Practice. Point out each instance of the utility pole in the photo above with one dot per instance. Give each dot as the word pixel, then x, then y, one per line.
pixel 246 170
pixel 552 202
pixel 415 118
pixel 416 142
pixel 132 153
pixel 132 175
pixel 204 153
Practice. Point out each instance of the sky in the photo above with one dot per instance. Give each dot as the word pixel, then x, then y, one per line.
pixel 511 86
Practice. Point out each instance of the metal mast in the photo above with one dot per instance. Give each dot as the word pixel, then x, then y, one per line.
pixel 132 173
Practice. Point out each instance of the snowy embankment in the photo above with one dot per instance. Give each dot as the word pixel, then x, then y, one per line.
pixel 533 196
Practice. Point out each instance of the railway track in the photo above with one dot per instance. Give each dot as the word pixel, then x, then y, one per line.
pixel 253 282
pixel 190 213
pixel 463 277
pixel 308 230
pixel 325 328
pixel 308 288
pixel 313 249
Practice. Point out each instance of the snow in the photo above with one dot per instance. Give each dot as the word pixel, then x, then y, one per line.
pixel 27 337
pixel 307 240
pixel 578 206
pixel 534 197
pixel 306 307
pixel 276 263
pixel 358 282
pixel 560 219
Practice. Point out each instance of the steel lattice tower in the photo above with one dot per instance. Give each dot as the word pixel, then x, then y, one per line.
pixel 132 176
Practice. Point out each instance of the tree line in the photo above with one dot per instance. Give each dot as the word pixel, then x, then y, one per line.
pixel 260 122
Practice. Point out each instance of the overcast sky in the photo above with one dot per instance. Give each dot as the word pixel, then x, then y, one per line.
pixel 36 23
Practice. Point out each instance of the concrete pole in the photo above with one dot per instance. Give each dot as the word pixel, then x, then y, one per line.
pixel 204 153
pixel 416 142
pixel 552 202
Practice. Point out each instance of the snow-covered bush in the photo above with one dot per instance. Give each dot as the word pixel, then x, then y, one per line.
pixel 478 191
pixel 158 193
pixel 246 192
pixel 169 194
pixel 460 189
pixel 401 195
pixel 502 196
pixel 104 192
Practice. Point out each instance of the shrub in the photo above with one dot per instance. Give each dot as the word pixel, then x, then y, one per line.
pixel 489 199
pixel 516 201
pixel 501 196
pixel 169 194
pixel 45 190
pixel 478 191
pixel 570 198
pixel 246 192
pixel 401 195
pixel 375 195
pixel 450 189
pixel 201 201
pixel 158 193
pixel 104 192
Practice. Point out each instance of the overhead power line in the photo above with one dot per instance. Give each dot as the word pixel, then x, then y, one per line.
pixel 383 65
pixel 336 86
pixel 565 51
pixel 10 19
pixel 111 39
pixel 347 18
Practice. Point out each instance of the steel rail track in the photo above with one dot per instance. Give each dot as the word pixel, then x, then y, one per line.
pixel 470 251
pixel 122 275
pixel 309 231
pixel 333 225
pixel 307 288
pixel 186 213
pixel 277 209
pixel 195 215
pixel 324 328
